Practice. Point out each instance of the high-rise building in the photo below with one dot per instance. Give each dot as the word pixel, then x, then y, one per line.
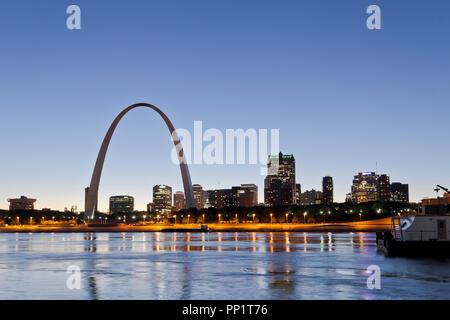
pixel 22 203
pixel 384 188
pixel 198 196
pixel 279 184
pixel 399 192
pixel 121 204
pixel 162 197
pixel 368 186
pixel 310 197
pixel 365 187
pixel 298 194
pixel 327 189
pixel 179 202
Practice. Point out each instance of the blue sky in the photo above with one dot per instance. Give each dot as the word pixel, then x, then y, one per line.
pixel 344 97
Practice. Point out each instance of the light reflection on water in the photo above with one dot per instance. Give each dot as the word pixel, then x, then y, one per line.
pixel 240 265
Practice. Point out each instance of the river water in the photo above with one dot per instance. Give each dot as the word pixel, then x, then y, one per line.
pixel 242 265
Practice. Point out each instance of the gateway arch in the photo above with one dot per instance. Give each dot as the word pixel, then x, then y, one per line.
pixel 91 196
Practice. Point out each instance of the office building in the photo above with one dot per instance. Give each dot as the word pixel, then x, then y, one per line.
pixel 198 196
pixel 298 194
pixel 399 192
pixel 365 187
pixel 311 197
pixel 121 204
pixel 179 202
pixel 279 184
pixel 368 186
pixel 162 197
pixel 247 195
pixel 22 203
pixel 384 188
pixel 327 190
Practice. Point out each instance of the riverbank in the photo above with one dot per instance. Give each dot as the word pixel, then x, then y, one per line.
pixel 360 226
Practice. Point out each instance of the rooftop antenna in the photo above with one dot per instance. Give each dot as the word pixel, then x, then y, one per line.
pixel 376 167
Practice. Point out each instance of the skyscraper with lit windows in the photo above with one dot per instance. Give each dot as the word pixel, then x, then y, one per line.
pixel 327 190
pixel 279 184
pixel 179 202
pixel 162 198
pixel 198 196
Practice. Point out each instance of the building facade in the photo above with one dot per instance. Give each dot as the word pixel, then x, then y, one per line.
pixel 179 202
pixel 150 207
pixel 384 188
pixel 327 190
pixel 247 195
pixel 365 187
pixel 279 184
pixel 198 196
pixel 368 186
pixel 298 194
pixel 223 198
pixel 121 204
pixel 399 192
pixel 22 203
pixel 437 206
pixel 310 197
pixel 162 197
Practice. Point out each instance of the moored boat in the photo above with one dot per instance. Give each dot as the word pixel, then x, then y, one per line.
pixel 416 236
pixel 203 228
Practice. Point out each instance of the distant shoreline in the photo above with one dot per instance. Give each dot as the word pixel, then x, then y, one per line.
pixel 360 226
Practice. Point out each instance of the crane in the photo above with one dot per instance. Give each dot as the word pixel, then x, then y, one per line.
pixel 438 187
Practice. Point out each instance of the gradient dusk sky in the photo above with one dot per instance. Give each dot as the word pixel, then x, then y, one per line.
pixel 344 97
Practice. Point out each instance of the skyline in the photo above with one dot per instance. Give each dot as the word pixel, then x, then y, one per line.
pixel 343 97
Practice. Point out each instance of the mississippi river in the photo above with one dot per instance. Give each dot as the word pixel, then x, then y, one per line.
pixel 228 265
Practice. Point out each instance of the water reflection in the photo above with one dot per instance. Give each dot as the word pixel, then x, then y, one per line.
pixel 274 265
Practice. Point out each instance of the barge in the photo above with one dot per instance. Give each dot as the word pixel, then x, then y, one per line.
pixel 203 228
pixel 416 236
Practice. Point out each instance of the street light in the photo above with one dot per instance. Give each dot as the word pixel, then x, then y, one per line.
pixel 360 216
pixel 304 217
pixel 203 215
pixel 271 217
pixel 219 216
pixel 253 217
pixel 236 217
pixel 175 216
pixel 287 214
pixel 189 218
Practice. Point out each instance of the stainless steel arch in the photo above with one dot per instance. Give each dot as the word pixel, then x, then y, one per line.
pixel 92 192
